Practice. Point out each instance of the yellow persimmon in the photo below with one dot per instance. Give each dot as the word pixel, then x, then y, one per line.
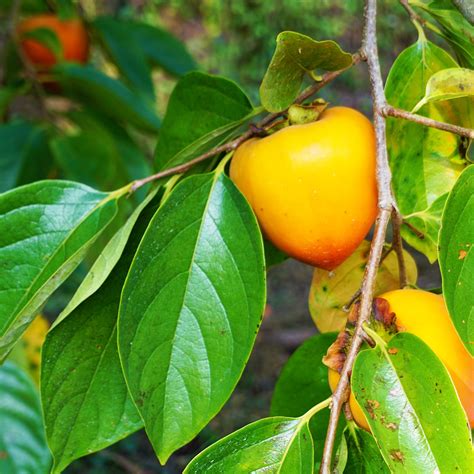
pixel 356 410
pixel 312 186
pixel 425 315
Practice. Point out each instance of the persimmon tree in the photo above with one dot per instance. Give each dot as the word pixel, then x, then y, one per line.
pixel 160 329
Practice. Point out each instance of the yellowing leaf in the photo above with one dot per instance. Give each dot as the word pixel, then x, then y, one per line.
pixel 447 84
pixel 330 291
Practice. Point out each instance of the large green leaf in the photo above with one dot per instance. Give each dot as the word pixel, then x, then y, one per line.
pixel 45 230
pixel 203 110
pixel 363 454
pixel 276 445
pixel 295 55
pixel 118 39
pixel 191 307
pixel 24 154
pixel 106 260
pixel 454 27
pixel 85 399
pixel 23 445
pixel 107 95
pixel 456 256
pixel 303 382
pixel 424 161
pixel 412 407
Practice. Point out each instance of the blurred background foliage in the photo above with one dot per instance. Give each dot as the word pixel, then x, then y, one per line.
pixel 237 38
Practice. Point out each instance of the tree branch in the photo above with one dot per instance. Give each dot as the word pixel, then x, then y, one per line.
pixel 386 205
pixel 397 245
pixel 233 144
pixel 389 111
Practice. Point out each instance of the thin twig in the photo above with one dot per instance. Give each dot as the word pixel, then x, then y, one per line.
pixel 390 111
pixel 416 231
pixel 356 295
pixel 233 144
pixel 385 202
pixel 412 13
pixel 397 245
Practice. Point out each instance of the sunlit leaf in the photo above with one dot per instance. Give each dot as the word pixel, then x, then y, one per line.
pixel 272 445
pixel 412 407
pixel 85 399
pixel 191 307
pixel 448 84
pixel 425 162
pixel 46 229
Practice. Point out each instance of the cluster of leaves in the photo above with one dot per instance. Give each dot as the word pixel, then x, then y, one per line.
pixel 160 330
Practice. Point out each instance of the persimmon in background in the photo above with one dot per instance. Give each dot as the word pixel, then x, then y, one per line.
pixel 71 33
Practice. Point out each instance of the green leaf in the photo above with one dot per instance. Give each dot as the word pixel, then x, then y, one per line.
pixel 425 162
pixel 203 110
pixel 448 84
pixel 24 154
pixel 423 235
pixel 454 28
pixel 363 454
pixel 412 407
pixel 107 95
pixel 161 48
pixel 46 37
pixel 295 55
pixel 23 445
pixel 191 307
pixel 106 260
pixel 86 402
pixel 272 445
pixel 119 41
pixel 303 382
pixel 45 230
pixel 330 291
pixel 456 256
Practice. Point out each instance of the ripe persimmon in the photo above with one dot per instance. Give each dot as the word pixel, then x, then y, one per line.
pixel 424 314
pixel 312 186
pixel 356 410
pixel 71 33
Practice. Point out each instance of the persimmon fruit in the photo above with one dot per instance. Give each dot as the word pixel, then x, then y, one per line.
pixel 356 410
pixel 424 314
pixel 71 34
pixel 312 186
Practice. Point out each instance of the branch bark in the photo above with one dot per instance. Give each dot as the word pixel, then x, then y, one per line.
pixel 389 111
pixel 233 144
pixel 386 206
